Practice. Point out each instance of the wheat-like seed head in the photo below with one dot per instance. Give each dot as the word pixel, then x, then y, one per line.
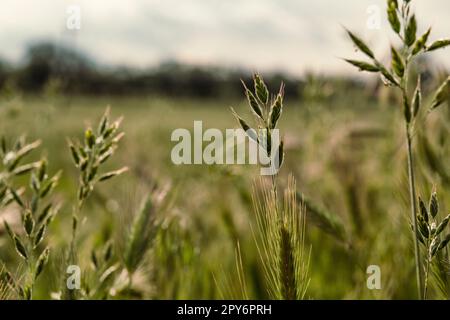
pixel 142 233
pixel 280 241
pixel 89 156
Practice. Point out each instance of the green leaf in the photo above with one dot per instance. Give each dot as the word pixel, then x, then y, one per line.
pixel 28 222
pixel 42 171
pixel 423 227
pixel 24 169
pixel 387 75
pixel 434 205
pixel 418 234
pixel 261 89
pixel 397 63
pixel 103 123
pixel 439 44
pixel 90 138
pixel 42 261
pixel 393 4
pixel 276 110
pixel 44 214
pixel 50 185
pixel 423 210
pixel 20 248
pixel 393 17
pixel 444 242
pixel 360 44
pixel 253 102
pixel 112 174
pixel 75 155
pixel 24 151
pixel 417 99
pixel 410 32
pixel 39 236
pixel 9 230
pixel 363 66
pixel 421 42
pixel 442 225
pixel 441 94
pixel 280 154
pixel 435 244
pixel 17 198
pixel 248 130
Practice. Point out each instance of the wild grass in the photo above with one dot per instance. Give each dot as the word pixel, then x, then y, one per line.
pixel 431 235
pixel 280 226
pixel 280 238
pixel 214 236
pixel 142 233
pixel 36 212
pixel 404 23
pixel 193 241
pixel 89 157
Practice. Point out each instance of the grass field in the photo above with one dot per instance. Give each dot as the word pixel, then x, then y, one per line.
pixel 347 156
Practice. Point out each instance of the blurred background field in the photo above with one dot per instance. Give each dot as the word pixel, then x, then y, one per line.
pixel 345 147
pixel 346 155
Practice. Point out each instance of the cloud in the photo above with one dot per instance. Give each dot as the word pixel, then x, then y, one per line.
pixel 291 35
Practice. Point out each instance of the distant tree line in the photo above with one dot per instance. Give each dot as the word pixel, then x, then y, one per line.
pixel 66 71
pixel 75 73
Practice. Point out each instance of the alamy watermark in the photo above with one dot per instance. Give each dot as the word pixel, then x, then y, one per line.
pixel 374 277
pixel 73 21
pixel 227 148
pixel 374 17
pixel 73 281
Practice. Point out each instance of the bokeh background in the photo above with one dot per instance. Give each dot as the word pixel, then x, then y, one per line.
pixel 260 35
pixel 164 64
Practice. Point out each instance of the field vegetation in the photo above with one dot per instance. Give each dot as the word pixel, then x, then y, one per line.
pixel 365 180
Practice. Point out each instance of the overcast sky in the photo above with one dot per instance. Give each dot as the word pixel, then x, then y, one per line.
pixel 287 35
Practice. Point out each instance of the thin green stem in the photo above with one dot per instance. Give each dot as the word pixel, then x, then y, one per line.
pixel 412 194
pixel 425 290
pixel 411 175
pixel 29 283
pixel 76 213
